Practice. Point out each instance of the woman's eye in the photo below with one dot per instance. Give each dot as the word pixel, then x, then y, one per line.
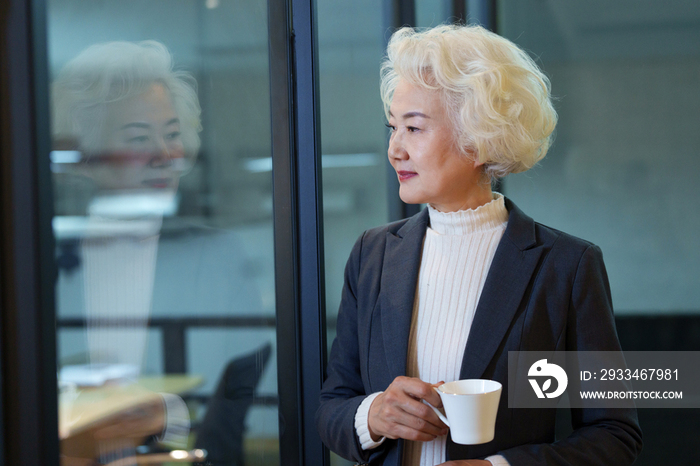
pixel 138 139
pixel 172 135
pixel 411 129
pixel 391 127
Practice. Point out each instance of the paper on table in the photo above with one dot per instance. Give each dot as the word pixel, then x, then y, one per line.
pixel 94 375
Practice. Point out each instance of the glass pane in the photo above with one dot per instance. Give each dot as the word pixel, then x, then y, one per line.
pixel 351 39
pixel 163 223
pixel 431 13
pixel 624 162
pixel 353 135
pixel 624 165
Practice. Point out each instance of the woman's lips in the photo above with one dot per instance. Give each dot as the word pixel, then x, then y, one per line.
pixel 158 182
pixel 405 175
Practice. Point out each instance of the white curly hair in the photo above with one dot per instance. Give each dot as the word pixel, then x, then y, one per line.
pixel 498 99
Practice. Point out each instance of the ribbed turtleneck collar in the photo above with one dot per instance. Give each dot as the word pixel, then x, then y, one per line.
pixel 463 222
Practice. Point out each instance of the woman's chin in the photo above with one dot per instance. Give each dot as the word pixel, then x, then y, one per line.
pixel 411 198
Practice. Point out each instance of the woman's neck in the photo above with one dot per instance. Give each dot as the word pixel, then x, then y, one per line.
pixel 477 197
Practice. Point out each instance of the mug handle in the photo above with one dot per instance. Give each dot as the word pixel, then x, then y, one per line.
pixel 437 411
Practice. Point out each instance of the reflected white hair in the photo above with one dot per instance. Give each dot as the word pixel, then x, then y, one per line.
pixel 497 98
pixel 109 72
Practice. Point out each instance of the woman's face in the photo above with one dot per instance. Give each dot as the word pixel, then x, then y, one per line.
pixel 141 146
pixel 422 150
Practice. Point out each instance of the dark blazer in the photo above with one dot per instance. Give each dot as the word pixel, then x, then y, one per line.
pixel 545 291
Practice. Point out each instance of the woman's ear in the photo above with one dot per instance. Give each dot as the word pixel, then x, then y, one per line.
pixel 474 155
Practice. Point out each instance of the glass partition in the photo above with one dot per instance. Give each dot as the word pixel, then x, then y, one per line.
pixel 351 42
pixel 431 13
pixel 357 190
pixel 161 166
pixel 351 38
pixel 622 167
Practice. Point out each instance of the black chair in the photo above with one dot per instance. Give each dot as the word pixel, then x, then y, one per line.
pixel 221 431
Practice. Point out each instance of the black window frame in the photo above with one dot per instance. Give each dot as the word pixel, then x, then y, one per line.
pixel 27 275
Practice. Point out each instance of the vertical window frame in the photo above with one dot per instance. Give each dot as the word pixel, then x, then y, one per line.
pixel 298 220
pixel 27 272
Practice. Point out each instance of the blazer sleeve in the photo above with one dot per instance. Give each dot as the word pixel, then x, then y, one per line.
pixel 344 390
pixel 601 436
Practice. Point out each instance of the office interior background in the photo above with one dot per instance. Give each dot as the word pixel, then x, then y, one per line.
pixel 292 168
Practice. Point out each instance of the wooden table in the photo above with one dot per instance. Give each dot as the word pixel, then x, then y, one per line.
pixel 89 416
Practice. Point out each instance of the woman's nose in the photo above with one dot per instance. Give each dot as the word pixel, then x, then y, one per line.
pixel 396 147
pixel 160 156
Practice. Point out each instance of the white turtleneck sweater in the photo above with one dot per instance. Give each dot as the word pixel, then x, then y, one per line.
pixel 457 253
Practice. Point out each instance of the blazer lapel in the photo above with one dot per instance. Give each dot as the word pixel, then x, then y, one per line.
pixel 508 278
pixel 402 257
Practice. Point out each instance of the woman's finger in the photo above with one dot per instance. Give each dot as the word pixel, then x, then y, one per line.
pixel 399 413
pixel 422 411
pixel 420 390
pixel 425 421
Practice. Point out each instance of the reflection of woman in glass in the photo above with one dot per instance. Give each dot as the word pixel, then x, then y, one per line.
pixel 133 118
pixel 135 123
pixel 446 294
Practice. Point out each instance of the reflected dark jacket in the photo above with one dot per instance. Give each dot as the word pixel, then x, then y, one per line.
pixel 545 291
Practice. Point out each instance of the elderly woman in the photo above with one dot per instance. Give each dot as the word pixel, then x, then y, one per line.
pixel 444 295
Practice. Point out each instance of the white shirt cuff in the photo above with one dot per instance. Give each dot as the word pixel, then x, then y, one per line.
pixel 177 422
pixel 362 425
pixel 498 460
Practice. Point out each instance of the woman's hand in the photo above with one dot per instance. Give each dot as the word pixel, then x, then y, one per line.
pixel 400 413
pixel 467 463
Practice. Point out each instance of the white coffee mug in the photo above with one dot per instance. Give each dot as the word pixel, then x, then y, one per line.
pixel 471 406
